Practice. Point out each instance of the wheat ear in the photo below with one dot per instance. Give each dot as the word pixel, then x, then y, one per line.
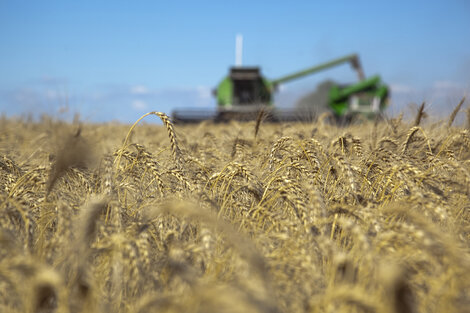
pixel 420 114
pixel 454 113
pixel 177 155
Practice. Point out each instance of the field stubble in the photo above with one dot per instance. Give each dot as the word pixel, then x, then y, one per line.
pixel 239 217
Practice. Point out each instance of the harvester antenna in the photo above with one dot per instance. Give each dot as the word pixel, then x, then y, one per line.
pixel 238 50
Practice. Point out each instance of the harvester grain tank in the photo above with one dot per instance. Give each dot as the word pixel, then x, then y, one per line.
pixel 245 91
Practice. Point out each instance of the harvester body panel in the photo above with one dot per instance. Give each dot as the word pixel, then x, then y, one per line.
pixel 225 92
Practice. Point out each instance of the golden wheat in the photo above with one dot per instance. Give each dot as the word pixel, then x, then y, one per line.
pixel 237 217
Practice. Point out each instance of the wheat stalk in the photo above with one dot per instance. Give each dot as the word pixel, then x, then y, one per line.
pixel 177 155
pixel 420 114
pixel 454 113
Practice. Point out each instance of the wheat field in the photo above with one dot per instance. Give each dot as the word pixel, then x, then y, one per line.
pixel 237 217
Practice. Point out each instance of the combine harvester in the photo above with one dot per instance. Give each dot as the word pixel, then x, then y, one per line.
pixel 245 92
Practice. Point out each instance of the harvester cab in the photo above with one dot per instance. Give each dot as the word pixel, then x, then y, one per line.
pixel 242 94
pixel 248 86
pixel 244 86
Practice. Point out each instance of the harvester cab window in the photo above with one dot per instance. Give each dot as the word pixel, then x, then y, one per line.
pixel 244 91
pixel 246 85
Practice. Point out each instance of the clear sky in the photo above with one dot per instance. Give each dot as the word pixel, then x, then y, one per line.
pixel 115 60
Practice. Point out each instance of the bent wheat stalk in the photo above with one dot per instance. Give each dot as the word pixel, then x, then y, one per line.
pixel 410 135
pixel 177 155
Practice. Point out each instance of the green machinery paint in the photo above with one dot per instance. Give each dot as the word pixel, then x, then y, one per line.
pixel 225 92
pixel 245 91
pixel 364 93
pixel 260 89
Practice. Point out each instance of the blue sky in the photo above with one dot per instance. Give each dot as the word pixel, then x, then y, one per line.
pixel 115 60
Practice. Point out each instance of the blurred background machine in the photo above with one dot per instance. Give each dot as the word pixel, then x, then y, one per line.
pixel 244 92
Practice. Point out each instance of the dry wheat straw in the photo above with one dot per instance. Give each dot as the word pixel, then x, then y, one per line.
pixel 283 222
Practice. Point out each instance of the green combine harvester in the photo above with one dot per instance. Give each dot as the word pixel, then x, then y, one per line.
pixel 245 91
